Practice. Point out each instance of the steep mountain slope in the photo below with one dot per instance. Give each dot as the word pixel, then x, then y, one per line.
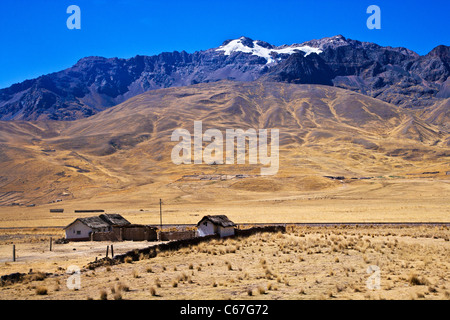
pixel 395 75
pixel 324 131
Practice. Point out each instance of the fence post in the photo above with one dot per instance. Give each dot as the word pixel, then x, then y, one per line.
pixel 14 252
pixel 107 249
pixel 51 240
pixel 112 252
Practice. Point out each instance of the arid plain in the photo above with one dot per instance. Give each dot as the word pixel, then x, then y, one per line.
pixel 394 164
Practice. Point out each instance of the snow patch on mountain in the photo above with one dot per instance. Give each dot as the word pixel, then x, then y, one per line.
pixel 256 49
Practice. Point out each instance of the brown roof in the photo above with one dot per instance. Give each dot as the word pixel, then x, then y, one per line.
pixel 220 220
pixel 102 221
pixel 114 219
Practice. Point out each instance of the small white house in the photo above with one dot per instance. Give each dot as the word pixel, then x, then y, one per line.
pixel 82 228
pixel 220 225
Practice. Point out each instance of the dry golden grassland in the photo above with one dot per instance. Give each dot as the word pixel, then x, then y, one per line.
pixel 303 263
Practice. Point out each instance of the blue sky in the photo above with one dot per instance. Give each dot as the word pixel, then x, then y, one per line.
pixel 34 39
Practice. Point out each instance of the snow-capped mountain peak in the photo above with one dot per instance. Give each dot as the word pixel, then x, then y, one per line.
pixel 263 49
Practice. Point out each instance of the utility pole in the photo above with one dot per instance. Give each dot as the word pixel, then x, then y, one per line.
pixel 160 219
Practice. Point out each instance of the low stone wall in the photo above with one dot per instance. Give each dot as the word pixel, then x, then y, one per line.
pixel 251 231
pixel 152 251
pixel 178 235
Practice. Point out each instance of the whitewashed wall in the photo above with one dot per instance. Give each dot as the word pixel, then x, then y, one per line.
pixel 205 229
pixel 71 232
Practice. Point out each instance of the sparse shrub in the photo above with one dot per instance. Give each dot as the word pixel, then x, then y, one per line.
pixel 261 290
pixel 250 292
pixel 136 274
pixel 103 295
pixel 153 291
pixel 117 296
pixel 340 288
pixel 128 260
pixel 415 280
pixel 149 270
pixel 41 291
pixel 123 287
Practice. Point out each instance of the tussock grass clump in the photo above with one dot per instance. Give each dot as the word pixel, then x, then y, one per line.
pixel 41 291
pixel 123 287
pixel 261 290
pixel 37 276
pixel 103 295
pixel 415 280
pixel 128 260
pixel 117 296
pixel 153 291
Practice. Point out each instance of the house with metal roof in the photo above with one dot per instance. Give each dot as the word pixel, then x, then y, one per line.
pixel 82 228
pixel 219 224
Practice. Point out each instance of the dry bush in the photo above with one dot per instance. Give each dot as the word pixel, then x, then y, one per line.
pixel 415 280
pixel 103 295
pixel 261 290
pixel 123 287
pixel 128 260
pixel 41 291
pixel 117 296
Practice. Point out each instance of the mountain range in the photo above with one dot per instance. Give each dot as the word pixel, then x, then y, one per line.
pixel 395 75
pixel 124 152
pixel 344 108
